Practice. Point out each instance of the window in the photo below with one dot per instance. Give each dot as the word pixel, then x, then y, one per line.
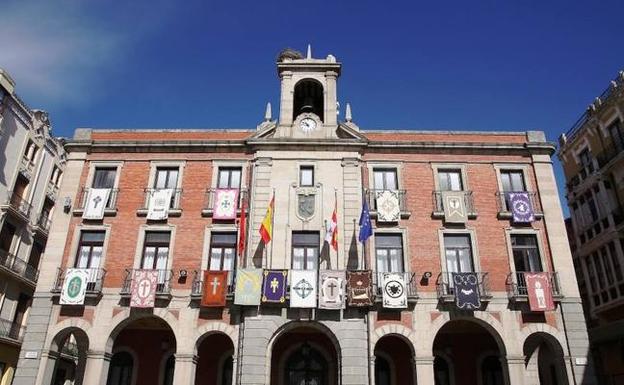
pixel 35 254
pixel 166 177
pixel 586 160
pixel 306 176
pixel 90 250
pixel 56 176
pixel 31 151
pixel 305 250
pixel 450 180
pixel 458 253
pixel 156 250
pixel 385 179
pixel 229 177
pixel 222 251
pixel 512 180
pixel 617 135
pixel 389 253
pixel 104 177
pixel 46 211
pixel 525 253
pixel 6 236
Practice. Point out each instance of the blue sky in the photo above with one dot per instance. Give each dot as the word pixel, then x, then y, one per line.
pixel 480 65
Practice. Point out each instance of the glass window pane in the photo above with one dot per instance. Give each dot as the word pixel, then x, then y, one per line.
pixel 390 180
pixel 451 261
pixel 172 181
pixel 388 240
pixel 306 176
pixel 104 177
pixel 224 179
pixel 96 256
pixel 465 260
pixel 157 237
pixel 297 262
pixel 379 180
pixel 92 237
pixel 235 179
pixel 228 259
pixel 215 259
pixel 396 261
pixel 161 261
pixel 148 257
pixel 312 258
pixel 382 257
pixel 83 257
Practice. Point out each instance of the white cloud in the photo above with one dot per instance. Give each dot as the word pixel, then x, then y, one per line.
pixel 56 50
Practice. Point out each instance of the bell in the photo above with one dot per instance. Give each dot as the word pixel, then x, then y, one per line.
pixel 308 104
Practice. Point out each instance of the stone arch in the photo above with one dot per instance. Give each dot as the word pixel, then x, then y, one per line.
pixel 543 366
pixel 67 326
pixel 210 328
pixel 57 338
pixel 394 344
pixel 550 331
pixel 125 317
pixel 397 330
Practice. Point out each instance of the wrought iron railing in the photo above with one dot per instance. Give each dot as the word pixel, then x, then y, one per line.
pixel 446 288
pixel 163 286
pixel 18 266
pixel 44 222
pixel 209 199
pixel 438 202
pixel 175 197
pixel 95 281
pixel 111 204
pixel 371 196
pixel 19 204
pixel 504 206
pixel 197 288
pixel 411 284
pixel 11 330
pixel 517 286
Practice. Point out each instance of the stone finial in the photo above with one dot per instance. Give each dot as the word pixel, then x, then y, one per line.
pixel 348 116
pixel 267 113
pixel 309 55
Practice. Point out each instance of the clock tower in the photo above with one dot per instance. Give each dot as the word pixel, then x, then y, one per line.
pixel 308 102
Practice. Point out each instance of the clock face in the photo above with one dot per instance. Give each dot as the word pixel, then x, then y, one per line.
pixel 307 124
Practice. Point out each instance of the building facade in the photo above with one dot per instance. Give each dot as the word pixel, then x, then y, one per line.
pixel 592 154
pixel 31 165
pixel 435 212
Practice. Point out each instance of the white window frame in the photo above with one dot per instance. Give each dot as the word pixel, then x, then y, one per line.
pixel 138 254
pixel 219 164
pixel 462 167
pixel 76 242
pixel 118 165
pixel 540 247
pixel 407 268
pixel 472 233
pixel 208 231
pixel 154 165
pixel 397 165
pixel 525 168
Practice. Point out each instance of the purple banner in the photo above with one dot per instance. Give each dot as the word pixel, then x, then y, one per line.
pixel 274 287
pixel 521 208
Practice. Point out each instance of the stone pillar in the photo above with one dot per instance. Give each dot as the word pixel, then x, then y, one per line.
pixel 96 368
pixel 424 370
pixel 287 99
pixel 48 364
pixel 515 369
pixel 371 370
pixel 331 118
pixel 185 365
pixel 234 369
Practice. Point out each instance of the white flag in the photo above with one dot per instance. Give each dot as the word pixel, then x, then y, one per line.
pixel 74 287
pixel 303 288
pixel 394 292
pixel 331 289
pixel 96 203
pixel 158 206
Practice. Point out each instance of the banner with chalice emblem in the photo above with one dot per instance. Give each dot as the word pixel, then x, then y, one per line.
pixel 359 288
pixel 454 207
pixel 74 287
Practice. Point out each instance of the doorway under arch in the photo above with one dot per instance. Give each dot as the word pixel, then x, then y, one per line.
pixel 69 356
pixel 394 359
pixel 215 360
pixel 544 360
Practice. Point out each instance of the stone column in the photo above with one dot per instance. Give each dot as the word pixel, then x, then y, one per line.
pixel 371 370
pixel 185 365
pixel 424 370
pixel 48 364
pixel 96 369
pixel 515 369
pixel 331 118
pixel 287 99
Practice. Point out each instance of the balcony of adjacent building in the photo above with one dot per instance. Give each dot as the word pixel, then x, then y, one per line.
pixel 163 283
pixel 11 332
pixel 504 204
pixel 111 204
pixel 18 268
pixel 517 288
pixel 175 203
pixel 387 205
pixel 211 200
pixel 17 206
pixel 438 203
pixel 95 282
pixel 445 286
pixel 27 167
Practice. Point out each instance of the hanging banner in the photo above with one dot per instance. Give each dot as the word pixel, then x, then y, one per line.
pixel 215 288
pixel 331 289
pixel 96 203
pixel 74 287
pixel 388 209
pixel 466 290
pixel 158 205
pixel 539 290
pixel 521 208
pixel 393 291
pixel 303 288
pixel 359 288
pixel 454 207
pixel 143 289
pixel 274 288
pixel 225 204
pixel 248 287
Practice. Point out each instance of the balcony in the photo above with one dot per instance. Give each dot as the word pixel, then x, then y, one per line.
pixel 11 332
pixel 94 284
pixel 446 290
pixel 609 153
pixel 582 175
pixel 209 201
pixel 197 288
pixel 371 197
pixel 52 191
pixel 517 286
pixel 111 204
pixel 18 206
pixel 438 204
pixel 163 287
pixel 27 167
pixel 409 278
pixel 42 226
pixel 504 206
pixel 175 209
pixel 16 266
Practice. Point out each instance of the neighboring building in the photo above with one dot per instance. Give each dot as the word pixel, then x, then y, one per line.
pixel 592 154
pixel 31 164
pixel 439 204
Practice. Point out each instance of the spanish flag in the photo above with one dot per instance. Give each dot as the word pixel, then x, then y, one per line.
pixel 266 229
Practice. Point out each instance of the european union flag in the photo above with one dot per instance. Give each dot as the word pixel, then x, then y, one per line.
pixel 366 228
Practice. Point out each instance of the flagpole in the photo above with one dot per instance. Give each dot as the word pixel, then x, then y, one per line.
pixel 272 228
pixel 335 233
